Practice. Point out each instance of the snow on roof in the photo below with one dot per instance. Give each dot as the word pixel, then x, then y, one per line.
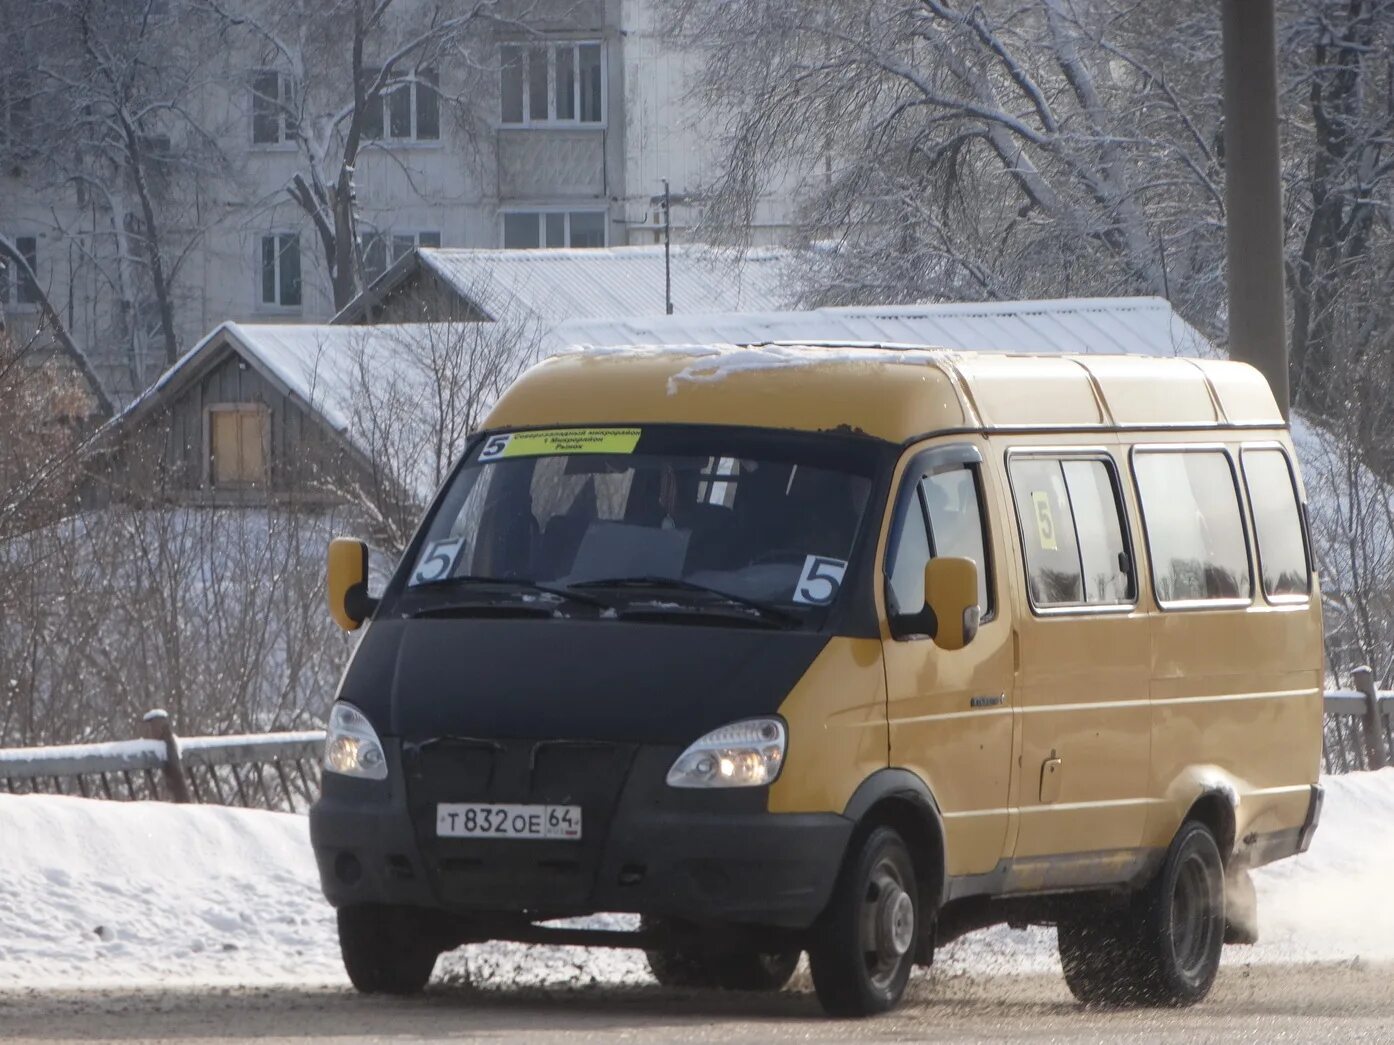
pixel 557 285
pixel 1084 326
pixel 341 373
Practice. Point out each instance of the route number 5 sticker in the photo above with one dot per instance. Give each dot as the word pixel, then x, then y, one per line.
pixel 494 447
pixel 819 581
pixel 438 561
pixel 1045 521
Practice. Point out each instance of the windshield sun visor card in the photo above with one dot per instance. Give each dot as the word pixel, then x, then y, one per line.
pixel 438 561
pixel 559 441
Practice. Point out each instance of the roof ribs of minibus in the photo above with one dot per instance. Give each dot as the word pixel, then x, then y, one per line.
pixel 892 392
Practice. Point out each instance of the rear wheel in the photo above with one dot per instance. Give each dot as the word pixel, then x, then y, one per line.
pixel 1164 949
pixel 387 950
pixel 864 944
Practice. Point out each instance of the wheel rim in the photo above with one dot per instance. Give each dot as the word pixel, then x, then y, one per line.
pixel 887 923
pixel 1192 924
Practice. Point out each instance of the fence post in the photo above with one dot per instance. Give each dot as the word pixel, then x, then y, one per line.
pixel 155 726
pixel 1364 680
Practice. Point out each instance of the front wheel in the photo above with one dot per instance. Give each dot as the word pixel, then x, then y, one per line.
pixel 863 947
pixel 387 950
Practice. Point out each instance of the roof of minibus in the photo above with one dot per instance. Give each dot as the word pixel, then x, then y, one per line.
pixel 891 392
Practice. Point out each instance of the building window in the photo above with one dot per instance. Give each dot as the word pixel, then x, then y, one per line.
pixel 15 287
pixel 545 84
pixel 238 440
pixel 273 108
pixel 280 270
pixel 381 250
pixel 409 111
pixel 524 229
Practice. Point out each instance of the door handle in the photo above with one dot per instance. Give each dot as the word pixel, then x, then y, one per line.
pixel 1052 772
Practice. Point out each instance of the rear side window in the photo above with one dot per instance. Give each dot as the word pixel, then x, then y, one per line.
pixel 1072 533
pixel 1195 531
pixel 1282 552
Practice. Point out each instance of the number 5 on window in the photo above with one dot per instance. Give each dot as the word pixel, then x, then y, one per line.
pixel 820 580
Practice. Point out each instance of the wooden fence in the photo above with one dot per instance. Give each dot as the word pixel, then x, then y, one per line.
pixel 255 771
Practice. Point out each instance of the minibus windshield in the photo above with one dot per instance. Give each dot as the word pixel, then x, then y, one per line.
pixel 672 512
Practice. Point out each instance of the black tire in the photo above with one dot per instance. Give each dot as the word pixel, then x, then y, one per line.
pixel 864 944
pixel 695 967
pixel 1164 949
pixel 387 950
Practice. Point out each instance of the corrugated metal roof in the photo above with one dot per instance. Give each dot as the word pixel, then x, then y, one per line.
pixel 1084 326
pixel 559 285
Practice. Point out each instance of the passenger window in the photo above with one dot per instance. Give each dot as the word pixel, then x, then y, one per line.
pixel 1195 531
pixel 1103 554
pixel 950 497
pixel 1071 532
pixel 956 524
pixel 1282 552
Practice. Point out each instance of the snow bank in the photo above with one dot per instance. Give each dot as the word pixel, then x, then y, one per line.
pixel 95 893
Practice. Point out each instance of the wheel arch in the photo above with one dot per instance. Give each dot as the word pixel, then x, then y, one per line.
pixel 1215 808
pixel 898 798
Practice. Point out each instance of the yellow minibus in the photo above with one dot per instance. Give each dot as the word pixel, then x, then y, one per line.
pixel 837 650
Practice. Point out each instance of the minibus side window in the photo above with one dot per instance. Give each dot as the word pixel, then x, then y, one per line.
pixel 1195 532
pixel 905 586
pixel 1071 532
pixel 1282 551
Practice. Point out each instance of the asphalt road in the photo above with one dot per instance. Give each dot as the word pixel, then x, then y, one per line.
pixel 1350 1002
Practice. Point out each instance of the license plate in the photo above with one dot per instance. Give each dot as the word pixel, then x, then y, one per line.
pixel 478 820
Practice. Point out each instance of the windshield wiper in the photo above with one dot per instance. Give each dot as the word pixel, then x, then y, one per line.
pixel 514 583
pixel 652 583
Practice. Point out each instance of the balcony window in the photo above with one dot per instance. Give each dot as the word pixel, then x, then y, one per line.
pixel 280 270
pixel 552 84
pixel 530 229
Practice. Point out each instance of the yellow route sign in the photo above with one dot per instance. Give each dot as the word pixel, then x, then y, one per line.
pixel 560 441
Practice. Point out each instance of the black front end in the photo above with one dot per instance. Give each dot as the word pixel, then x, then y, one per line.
pixel 596 723
pixel 701 856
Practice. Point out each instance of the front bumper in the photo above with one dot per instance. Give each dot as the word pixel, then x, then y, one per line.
pixel 701 856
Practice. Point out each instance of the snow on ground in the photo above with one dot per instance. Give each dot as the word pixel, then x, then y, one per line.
pixel 96 893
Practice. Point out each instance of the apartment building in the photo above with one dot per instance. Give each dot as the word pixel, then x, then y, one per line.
pixel 558 132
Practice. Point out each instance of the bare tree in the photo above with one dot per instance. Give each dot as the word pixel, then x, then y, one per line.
pixel 116 139
pixel 343 68
pixel 974 150
pixel 411 396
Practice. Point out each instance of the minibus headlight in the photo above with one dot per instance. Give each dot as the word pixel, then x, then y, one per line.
pixel 351 745
pixel 743 754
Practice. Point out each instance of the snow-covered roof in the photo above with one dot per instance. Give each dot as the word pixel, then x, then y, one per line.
pixel 557 285
pixel 1084 326
pixel 342 374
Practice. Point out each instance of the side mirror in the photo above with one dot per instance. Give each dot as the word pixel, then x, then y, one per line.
pixel 347 583
pixel 951 601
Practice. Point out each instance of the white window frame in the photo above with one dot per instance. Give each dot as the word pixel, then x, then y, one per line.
pixel 550 120
pixel 413 83
pixel 9 278
pixel 286 91
pixel 565 209
pixel 275 306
